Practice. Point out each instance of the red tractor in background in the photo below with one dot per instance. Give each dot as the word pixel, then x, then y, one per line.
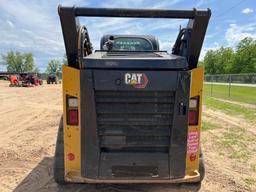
pixel 14 82
pixel 25 80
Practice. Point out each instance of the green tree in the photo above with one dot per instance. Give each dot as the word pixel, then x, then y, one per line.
pixel 54 66
pixel 18 62
pixel 36 70
pixel 65 60
pixel 210 62
pixel 225 60
pixel 245 56
pixel 200 63
pixel 219 61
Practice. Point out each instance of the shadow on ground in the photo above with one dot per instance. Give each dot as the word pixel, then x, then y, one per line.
pixel 40 179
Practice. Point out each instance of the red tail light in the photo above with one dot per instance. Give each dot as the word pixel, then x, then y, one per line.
pixel 193 111
pixel 192 117
pixel 73 117
pixel 72 110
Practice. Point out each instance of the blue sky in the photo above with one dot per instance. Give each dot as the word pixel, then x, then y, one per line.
pixel 33 26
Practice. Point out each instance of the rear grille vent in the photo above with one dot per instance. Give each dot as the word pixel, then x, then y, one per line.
pixel 134 121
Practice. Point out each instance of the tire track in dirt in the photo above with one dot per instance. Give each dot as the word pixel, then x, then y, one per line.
pixel 29 124
pixel 40 106
pixel 21 125
pixel 221 174
pixel 232 120
pixel 219 164
pixel 2 113
pixel 247 105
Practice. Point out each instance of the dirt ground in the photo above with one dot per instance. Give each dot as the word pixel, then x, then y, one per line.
pixel 29 119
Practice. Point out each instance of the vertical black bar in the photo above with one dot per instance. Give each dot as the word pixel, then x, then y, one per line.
pixel 70 26
pixel 90 151
pixel 178 149
pixel 199 26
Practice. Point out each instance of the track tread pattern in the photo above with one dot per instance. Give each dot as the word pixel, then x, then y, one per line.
pixel 59 156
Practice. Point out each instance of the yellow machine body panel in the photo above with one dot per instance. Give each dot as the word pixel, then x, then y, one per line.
pixel 71 87
pixel 193 150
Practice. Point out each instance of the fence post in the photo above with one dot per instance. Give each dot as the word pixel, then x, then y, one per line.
pixel 211 84
pixel 229 85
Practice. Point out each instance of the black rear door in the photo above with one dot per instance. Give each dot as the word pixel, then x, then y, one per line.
pixel 134 123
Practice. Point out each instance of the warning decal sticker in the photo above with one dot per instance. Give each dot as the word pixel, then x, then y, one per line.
pixel 192 142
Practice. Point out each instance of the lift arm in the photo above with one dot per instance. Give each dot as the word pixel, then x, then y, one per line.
pixel 198 22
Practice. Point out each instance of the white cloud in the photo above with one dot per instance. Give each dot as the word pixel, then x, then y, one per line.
pixel 164 4
pixel 122 4
pixel 201 2
pixel 39 29
pixel 236 33
pixel 166 45
pixel 10 23
pixel 165 30
pixel 247 10
pixel 140 4
pixel 204 50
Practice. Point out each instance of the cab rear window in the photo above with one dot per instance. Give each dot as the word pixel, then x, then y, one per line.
pixel 131 44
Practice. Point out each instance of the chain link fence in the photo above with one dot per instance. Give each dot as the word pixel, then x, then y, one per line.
pixel 241 87
pixel 246 78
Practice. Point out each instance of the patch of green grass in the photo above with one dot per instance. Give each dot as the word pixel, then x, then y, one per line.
pixel 235 149
pixel 231 109
pixel 208 126
pixel 237 93
pixel 253 166
pixel 249 181
pixel 232 140
pixel 235 140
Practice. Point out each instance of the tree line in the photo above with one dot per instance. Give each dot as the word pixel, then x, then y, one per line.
pixel 24 62
pixel 227 60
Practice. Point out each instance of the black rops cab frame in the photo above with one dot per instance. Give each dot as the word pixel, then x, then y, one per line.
pixel 196 28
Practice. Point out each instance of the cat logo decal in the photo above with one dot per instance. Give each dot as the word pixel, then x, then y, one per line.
pixel 137 80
